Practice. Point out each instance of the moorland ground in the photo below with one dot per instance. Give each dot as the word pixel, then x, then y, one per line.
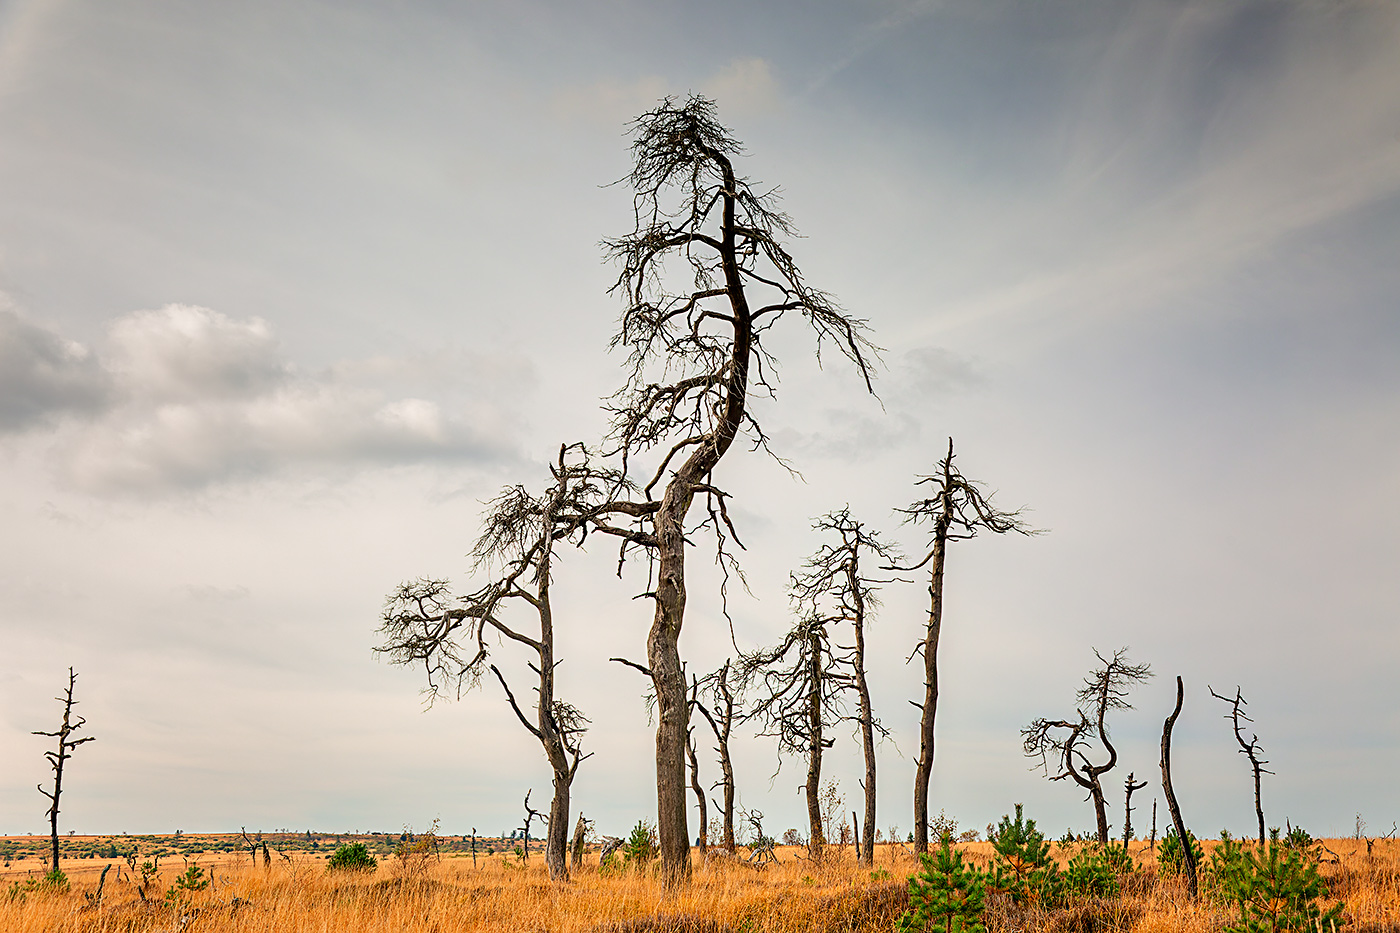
pixel 450 893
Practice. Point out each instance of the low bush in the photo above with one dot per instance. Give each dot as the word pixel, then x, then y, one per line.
pixel 352 857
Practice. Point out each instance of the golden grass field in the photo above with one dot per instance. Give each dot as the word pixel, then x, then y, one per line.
pixel 449 894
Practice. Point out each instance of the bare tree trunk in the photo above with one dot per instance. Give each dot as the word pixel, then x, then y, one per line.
pixel 1188 856
pixel 1258 805
pixel 814 752
pixel 580 837
pixel 923 770
pixel 1100 810
pixel 1129 786
pixel 722 728
pixel 556 846
pixel 728 767
pixel 668 680
pixel 865 849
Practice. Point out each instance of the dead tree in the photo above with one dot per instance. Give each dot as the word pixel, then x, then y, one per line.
pixel 423 623
pixel 715 688
pixel 695 357
pixel 580 839
pixel 834 586
pixel 702 841
pixel 1188 851
pixel 1130 786
pixel 957 508
pixel 1067 742
pixel 531 814
pixel 1249 749
pixel 796 689
pixel 57 758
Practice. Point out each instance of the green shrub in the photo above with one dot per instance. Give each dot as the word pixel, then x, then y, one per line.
pixel 945 894
pixel 1275 890
pixel 640 847
pixel 1171 857
pixel 1093 872
pixel 192 880
pixel 1022 867
pixel 352 856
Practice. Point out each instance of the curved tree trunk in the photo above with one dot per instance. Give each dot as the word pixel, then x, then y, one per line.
pixel 1188 856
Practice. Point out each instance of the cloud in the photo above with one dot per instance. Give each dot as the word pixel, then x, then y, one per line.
pixel 182 351
pixel 44 376
pixel 611 102
pixel 926 373
pixel 744 87
pixel 185 397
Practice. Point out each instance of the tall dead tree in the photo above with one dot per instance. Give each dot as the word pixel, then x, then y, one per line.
pixel 1250 749
pixel 1188 851
pixel 59 757
pixel 834 586
pixel 1067 742
pixel 423 624
pixel 704 275
pixel 715 689
pixel 796 689
pixel 957 508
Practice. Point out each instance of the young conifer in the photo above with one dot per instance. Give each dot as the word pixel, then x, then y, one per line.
pixel 945 894
pixel 1022 866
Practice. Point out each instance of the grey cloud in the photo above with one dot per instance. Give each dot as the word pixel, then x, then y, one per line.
pixel 932 372
pixel 186 397
pixel 43 376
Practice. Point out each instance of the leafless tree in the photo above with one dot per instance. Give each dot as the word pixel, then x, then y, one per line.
pixel 704 275
pixel 581 829
pixel 1249 749
pixel 424 624
pixel 1067 742
pixel 957 508
pixel 796 689
pixel 531 814
pixel 1188 851
pixel 57 758
pixel 835 587
pixel 702 841
pixel 1130 786
pixel 714 690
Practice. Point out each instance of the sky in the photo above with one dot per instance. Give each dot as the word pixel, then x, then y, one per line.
pixel 288 290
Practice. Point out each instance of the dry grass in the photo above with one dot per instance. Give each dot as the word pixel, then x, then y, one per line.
pixel 725 897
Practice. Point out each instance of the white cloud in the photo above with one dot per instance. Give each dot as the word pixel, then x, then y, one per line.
pixel 183 351
pixel 185 397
